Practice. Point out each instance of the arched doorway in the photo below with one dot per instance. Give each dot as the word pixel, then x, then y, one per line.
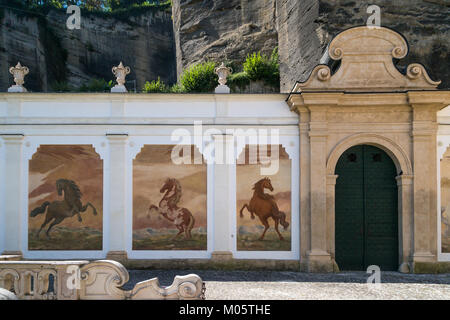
pixel 366 210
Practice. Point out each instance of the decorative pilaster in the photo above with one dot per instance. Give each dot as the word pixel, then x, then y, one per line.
pixel 223 206
pixel 405 221
pixel 13 206
pixel 424 129
pixel 319 259
pixel 305 212
pixel 331 186
pixel 118 197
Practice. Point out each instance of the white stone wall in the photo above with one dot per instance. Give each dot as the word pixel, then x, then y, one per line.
pixel 118 125
pixel 443 143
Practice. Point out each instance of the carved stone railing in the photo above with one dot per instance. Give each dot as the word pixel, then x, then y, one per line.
pixel 39 280
pixel 98 280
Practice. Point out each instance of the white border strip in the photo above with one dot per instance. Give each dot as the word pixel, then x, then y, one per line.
pixel 443 142
pixel 2 196
pixel 136 143
pixel 291 145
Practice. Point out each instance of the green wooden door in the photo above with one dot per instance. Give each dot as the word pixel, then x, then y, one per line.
pixel 366 211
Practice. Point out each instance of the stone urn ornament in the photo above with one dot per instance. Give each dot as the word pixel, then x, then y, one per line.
pixel 19 72
pixel 120 72
pixel 223 72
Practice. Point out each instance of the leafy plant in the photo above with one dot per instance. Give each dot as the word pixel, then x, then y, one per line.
pixel 240 80
pixel 261 67
pixel 200 78
pixel 177 88
pixel 97 85
pixel 156 86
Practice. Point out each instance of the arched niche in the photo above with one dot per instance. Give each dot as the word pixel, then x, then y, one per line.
pixel 169 184
pixel 81 169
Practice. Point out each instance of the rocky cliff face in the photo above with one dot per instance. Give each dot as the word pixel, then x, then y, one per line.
pixel 300 39
pixel 55 53
pixel 163 43
pixel 219 29
pixel 424 24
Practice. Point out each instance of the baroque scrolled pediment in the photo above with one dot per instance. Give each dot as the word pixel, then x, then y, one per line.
pixel 366 55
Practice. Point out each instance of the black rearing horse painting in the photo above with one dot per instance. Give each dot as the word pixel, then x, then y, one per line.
pixel 60 210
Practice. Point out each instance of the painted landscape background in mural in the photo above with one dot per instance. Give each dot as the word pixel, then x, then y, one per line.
pixel 445 202
pixel 169 202
pixel 78 172
pixel 250 230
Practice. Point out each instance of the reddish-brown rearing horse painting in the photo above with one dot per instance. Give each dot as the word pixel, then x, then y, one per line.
pixel 264 206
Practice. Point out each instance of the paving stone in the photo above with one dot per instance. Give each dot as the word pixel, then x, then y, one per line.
pixel 273 285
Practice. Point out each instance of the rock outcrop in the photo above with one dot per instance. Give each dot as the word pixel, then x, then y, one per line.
pixel 56 54
pixel 300 40
pixel 222 30
pixel 219 29
pixel 163 43
pixel 424 23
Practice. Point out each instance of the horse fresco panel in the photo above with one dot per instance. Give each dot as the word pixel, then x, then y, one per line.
pixel 445 202
pixel 65 199
pixel 169 201
pixel 263 204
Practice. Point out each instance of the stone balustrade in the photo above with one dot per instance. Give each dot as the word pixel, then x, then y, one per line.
pixel 84 280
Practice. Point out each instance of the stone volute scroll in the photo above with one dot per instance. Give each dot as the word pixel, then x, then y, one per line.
pixel 223 72
pixel 120 72
pixel 84 280
pixel 366 56
pixel 19 72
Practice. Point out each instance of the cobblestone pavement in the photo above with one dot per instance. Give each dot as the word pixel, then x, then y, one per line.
pixel 282 285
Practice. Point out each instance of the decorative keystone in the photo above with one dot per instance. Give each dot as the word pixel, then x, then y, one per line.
pixel 19 72
pixel 223 72
pixel 120 72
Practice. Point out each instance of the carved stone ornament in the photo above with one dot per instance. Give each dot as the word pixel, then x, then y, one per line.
pixel 223 72
pixel 82 280
pixel 366 55
pixel 120 72
pixel 19 72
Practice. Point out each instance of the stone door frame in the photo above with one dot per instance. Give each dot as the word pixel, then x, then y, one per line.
pixel 405 190
pixel 364 101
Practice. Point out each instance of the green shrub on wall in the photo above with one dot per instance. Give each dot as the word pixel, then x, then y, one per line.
pixel 156 86
pixel 177 88
pixel 200 78
pixel 261 67
pixel 239 80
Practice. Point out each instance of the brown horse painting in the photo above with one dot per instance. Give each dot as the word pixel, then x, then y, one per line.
pixel 168 208
pixel 265 207
pixel 60 210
